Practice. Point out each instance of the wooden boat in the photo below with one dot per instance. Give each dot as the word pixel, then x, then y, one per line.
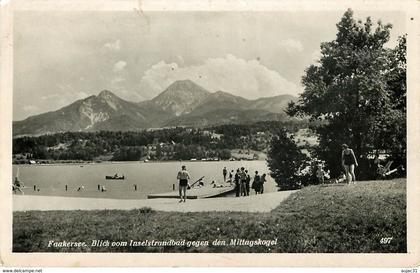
pixel 197 193
pixel 208 191
pixel 113 177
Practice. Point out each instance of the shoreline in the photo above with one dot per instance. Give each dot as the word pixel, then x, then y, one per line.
pixel 255 203
pixel 129 162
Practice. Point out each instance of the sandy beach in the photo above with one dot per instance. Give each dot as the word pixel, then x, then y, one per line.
pixel 256 203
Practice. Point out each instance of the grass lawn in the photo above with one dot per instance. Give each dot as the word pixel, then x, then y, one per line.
pixel 317 219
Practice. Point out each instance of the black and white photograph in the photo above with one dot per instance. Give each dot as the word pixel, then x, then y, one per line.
pixel 210 130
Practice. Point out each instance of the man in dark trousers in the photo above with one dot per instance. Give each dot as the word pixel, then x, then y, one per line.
pixel 248 181
pixel 224 174
pixel 242 175
pixel 237 183
pixel 183 177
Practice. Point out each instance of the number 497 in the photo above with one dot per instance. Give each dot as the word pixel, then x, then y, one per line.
pixel 385 240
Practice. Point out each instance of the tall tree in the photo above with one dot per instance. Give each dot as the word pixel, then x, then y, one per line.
pixel 351 92
pixel 285 161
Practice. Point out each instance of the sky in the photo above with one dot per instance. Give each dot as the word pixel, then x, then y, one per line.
pixel 60 57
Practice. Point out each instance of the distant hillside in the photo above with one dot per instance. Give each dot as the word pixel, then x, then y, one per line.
pixel 105 111
pixel 224 116
pixel 220 101
pixel 183 103
pixel 275 104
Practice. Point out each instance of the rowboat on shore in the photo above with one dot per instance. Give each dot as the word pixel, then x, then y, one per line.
pixel 197 193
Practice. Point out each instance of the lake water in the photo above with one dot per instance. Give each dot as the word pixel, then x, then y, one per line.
pixel 156 177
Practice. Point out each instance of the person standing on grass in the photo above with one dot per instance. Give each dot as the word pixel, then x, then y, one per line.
pixel 183 177
pixel 320 174
pixel 224 174
pixel 349 161
pixel 376 166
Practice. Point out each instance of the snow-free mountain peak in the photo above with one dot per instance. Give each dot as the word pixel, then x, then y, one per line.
pixel 106 94
pixel 181 97
pixel 183 103
pixel 112 100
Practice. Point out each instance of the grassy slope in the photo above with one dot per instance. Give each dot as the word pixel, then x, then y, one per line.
pixel 316 219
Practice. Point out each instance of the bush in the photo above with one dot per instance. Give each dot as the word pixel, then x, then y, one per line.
pixel 286 162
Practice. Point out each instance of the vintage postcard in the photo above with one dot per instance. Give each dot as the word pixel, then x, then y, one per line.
pixel 241 133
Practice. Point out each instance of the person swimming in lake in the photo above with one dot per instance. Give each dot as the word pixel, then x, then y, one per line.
pixel 183 177
pixel 349 162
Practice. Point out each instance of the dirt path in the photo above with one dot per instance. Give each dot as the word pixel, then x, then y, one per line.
pixel 256 203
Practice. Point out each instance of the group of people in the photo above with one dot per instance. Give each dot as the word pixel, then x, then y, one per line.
pixel 242 180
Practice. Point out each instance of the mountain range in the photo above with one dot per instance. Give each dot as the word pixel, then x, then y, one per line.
pixel 183 103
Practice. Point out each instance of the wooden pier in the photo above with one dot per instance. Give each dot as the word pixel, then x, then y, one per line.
pixel 196 193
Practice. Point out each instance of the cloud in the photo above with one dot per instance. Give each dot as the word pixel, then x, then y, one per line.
pixel 118 79
pixel 119 66
pixel 248 79
pixel 180 59
pixel 64 96
pixel 113 46
pixel 316 55
pixel 291 45
pixel 30 108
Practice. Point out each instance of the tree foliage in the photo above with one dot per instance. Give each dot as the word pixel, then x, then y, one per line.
pixel 179 143
pixel 285 161
pixel 357 90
